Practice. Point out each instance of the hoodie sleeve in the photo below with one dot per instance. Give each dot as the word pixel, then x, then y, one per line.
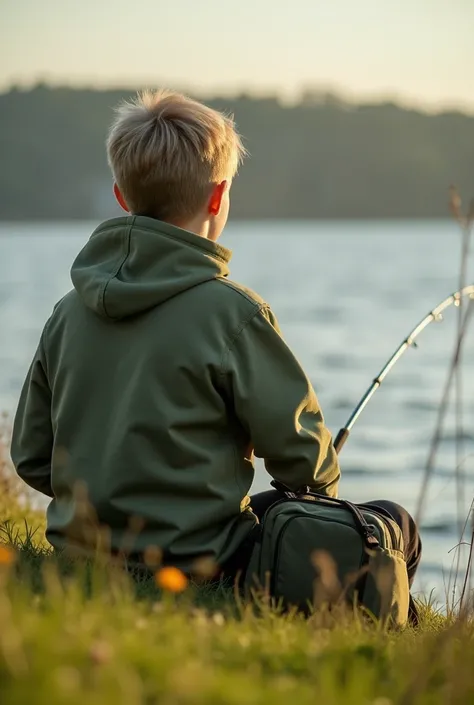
pixel 32 439
pixel 276 403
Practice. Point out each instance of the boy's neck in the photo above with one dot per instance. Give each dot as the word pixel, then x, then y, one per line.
pixel 198 226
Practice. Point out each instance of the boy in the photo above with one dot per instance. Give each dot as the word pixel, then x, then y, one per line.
pixel 157 377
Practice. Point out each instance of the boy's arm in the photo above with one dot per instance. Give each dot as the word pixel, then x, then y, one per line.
pixel 276 403
pixel 32 439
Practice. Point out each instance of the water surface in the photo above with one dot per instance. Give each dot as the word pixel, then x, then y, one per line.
pixel 346 294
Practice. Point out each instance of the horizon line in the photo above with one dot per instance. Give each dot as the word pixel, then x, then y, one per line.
pixel 236 91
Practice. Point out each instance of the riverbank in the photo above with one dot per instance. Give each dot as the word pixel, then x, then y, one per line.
pixel 74 634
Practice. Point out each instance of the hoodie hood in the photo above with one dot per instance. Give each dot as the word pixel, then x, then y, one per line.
pixel 134 263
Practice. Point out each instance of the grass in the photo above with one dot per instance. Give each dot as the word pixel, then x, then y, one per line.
pixel 90 638
pixel 85 633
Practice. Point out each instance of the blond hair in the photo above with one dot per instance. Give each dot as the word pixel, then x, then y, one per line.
pixel 167 150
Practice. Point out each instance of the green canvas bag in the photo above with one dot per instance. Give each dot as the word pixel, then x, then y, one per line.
pixel 314 550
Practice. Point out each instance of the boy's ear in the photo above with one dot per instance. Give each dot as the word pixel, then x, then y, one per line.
pixel 120 198
pixel 215 200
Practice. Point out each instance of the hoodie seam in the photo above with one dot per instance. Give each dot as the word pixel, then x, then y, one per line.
pixel 126 244
pixel 222 258
pixel 243 324
pixel 245 294
pixel 191 244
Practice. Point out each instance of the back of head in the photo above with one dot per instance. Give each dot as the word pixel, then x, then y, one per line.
pixel 167 152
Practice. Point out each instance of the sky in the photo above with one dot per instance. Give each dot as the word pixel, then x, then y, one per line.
pixel 419 52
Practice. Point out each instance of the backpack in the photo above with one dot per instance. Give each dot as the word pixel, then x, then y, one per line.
pixel 314 550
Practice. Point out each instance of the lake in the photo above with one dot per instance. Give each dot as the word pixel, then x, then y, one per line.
pixel 346 294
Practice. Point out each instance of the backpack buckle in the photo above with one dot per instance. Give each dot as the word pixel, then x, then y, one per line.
pixel 370 537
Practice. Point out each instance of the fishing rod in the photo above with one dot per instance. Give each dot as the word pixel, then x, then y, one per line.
pixel 434 315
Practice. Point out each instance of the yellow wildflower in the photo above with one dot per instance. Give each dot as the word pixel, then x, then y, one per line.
pixel 171 579
pixel 7 555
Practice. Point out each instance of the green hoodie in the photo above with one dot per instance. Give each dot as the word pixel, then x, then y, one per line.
pixel 153 378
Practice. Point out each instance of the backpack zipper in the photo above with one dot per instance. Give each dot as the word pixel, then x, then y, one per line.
pixel 365 529
pixel 305 495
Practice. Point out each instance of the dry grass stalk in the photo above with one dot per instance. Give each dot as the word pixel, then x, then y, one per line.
pixel 454 376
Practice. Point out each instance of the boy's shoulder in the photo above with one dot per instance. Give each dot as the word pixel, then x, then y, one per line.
pixel 69 299
pixel 234 289
pixel 62 309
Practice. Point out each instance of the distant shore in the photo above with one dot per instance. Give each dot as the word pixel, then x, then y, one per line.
pixel 321 157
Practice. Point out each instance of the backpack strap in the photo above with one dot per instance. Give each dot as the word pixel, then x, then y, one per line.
pixel 367 531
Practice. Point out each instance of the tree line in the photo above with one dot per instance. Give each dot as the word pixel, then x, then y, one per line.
pixel 319 158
